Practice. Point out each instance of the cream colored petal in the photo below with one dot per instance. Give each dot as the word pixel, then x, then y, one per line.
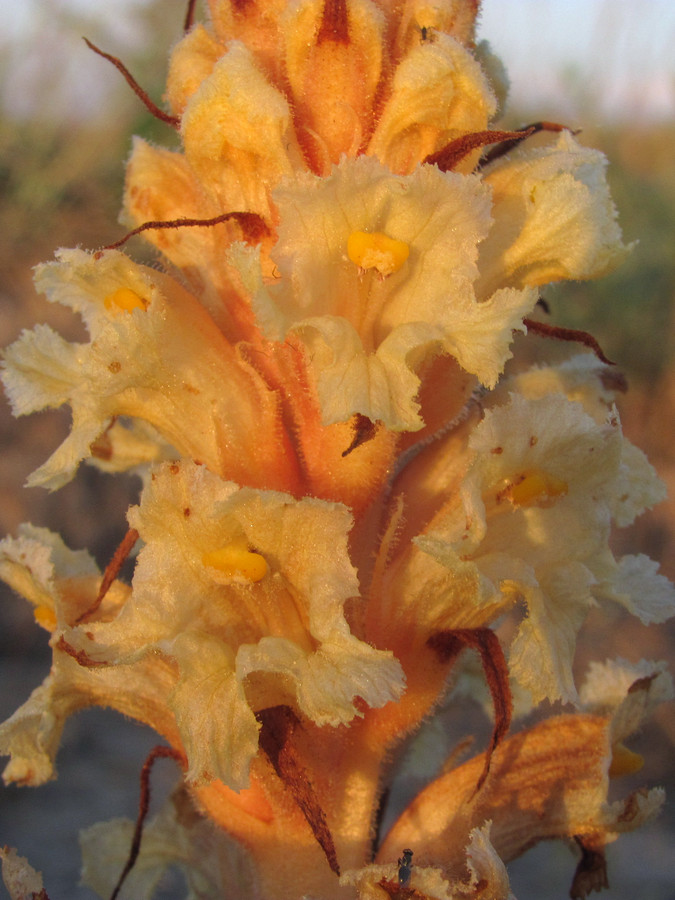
pixel 638 486
pixel 327 681
pixel 333 83
pixel 557 601
pixel 21 879
pixel 439 590
pixel 177 837
pixel 129 446
pixel 554 218
pixel 225 630
pixel 62 584
pixel 439 92
pixel 31 736
pixel 629 692
pixel 638 587
pixel 380 385
pixel 582 379
pixel 542 652
pixel 481 334
pixel 547 782
pixel 366 333
pixel 33 564
pixel 236 128
pixel 167 364
pixel 489 879
pixel 218 728
pixel 105 853
pixel 192 61
pixel 40 350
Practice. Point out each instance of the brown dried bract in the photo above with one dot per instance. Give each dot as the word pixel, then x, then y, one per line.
pixel 509 143
pixel 364 430
pixel 591 872
pixel 334 23
pixel 642 684
pixel 278 724
pixel 79 655
pixel 454 152
pixel 449 644
pixel 543 329
pixel 189 15
pixel 159 752
pixel 252 225
pixel 152 107
pixel 112 570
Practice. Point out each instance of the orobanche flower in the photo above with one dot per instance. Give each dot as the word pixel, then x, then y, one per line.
pixel 341 489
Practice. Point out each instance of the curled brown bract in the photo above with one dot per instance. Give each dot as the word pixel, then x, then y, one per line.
pixel 149 104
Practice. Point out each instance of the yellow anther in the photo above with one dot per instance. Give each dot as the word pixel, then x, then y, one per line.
pixel 537 489
pixel 624 761
pixel 376 250
pixel 237 559
pixel 125 299
pixel 45 616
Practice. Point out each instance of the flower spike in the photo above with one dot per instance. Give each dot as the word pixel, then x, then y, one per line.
pixel 348 473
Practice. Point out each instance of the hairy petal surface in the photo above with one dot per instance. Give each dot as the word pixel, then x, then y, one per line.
pixel 368 329
pixel 438 93
pixel 549 781
pixel 234 585
pixel 534 518
pixel 163 361
pixel 554 218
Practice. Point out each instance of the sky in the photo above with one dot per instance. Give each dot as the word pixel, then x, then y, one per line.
pixel 616 55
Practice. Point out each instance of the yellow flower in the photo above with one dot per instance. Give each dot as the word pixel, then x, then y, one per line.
pixel 367 329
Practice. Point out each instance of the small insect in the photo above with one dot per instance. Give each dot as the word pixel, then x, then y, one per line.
pixel 404 868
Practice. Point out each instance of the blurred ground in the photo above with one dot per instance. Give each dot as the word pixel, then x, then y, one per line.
pixel 61 188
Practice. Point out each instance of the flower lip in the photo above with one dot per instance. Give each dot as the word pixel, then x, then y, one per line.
pixel 245 596
pixel 368 337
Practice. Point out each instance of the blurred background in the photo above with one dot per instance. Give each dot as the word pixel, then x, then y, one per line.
pixel 66 118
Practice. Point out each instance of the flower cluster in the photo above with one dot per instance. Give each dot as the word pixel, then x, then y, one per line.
pixel 341 490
